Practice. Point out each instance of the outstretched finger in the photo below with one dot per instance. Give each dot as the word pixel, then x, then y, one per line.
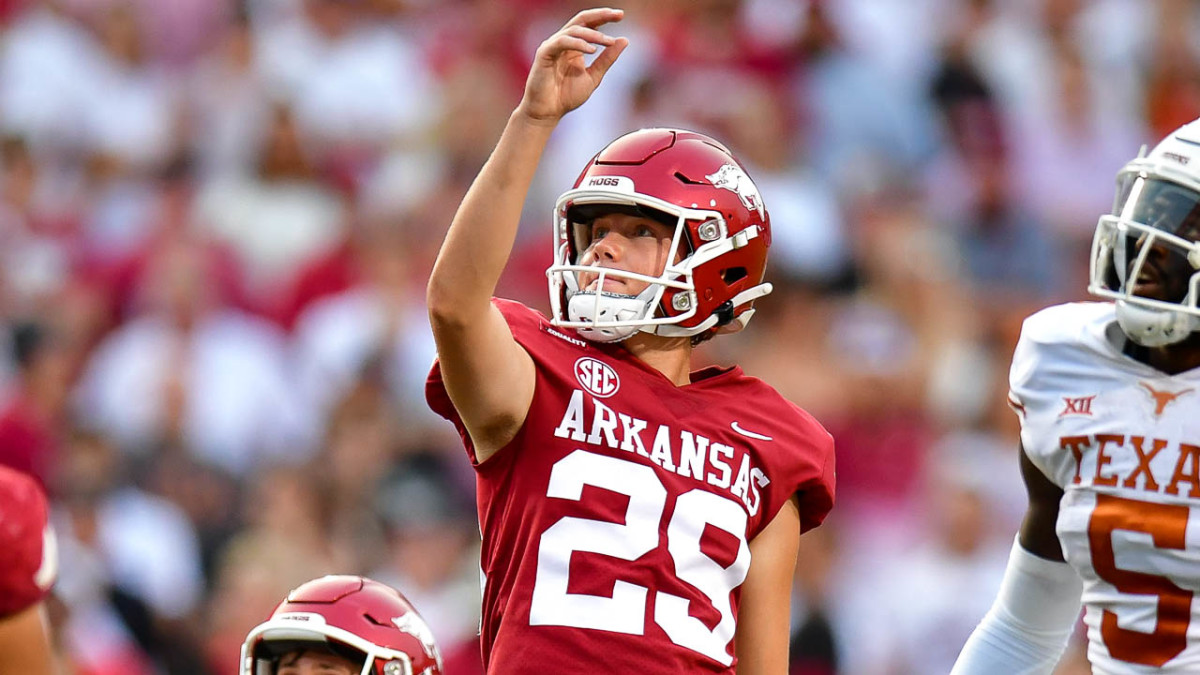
pixel 606 58
pixel 563 43
pixel 599 16
pixel 590 34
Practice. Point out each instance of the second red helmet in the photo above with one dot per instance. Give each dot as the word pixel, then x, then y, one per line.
pixel 354 617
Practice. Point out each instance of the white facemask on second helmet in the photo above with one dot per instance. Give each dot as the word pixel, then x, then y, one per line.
pixel 1152 231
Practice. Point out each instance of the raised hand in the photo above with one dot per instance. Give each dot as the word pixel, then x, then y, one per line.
pixel 560 81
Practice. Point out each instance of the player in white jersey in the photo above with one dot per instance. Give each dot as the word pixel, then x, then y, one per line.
pixel 1108 395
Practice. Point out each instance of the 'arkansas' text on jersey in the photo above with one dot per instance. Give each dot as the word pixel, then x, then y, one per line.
pixel 684 452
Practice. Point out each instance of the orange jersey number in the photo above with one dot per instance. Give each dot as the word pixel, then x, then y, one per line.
pixel 1167 526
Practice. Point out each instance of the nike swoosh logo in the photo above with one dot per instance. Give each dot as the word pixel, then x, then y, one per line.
pixel 749 434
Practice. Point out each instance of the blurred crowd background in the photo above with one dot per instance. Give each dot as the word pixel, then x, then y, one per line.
pixel 216 219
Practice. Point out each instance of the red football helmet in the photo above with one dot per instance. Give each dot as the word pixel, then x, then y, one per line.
pixel 352 616
pixel 722 232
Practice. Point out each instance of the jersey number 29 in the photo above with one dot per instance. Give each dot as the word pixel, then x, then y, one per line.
pixel 625 611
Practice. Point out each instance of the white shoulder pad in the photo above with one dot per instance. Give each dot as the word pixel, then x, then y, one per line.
pixel 1060 349
pixel 1064 352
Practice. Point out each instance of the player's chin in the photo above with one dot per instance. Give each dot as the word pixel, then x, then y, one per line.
pixel 1150 290
pixel 1154 288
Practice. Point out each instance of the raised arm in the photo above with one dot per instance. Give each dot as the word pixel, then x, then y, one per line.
pixel 488 376
pixel 1028 626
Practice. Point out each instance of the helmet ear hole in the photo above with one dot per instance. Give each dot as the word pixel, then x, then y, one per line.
pixel 377 622
pixel 732 275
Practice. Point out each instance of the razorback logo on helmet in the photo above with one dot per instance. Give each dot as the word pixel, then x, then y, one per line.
pixel 731 177
pixel 413 625
pixel 596 376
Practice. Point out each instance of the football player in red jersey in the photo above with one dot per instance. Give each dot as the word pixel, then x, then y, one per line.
pixel 637 516
pixel 28 566
pixel 342 625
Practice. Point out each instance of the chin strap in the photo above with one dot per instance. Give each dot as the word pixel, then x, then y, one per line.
pixel 608 308
pixel 732 325
pixel 1155 327
pixel 739 322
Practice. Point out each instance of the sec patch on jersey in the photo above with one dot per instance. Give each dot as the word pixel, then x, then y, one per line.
pixel 597 377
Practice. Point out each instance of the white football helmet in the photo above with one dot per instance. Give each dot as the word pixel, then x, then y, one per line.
pixel 1145 255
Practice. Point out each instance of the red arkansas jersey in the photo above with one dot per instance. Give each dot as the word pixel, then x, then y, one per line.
pixel 28 558
pixel 616 524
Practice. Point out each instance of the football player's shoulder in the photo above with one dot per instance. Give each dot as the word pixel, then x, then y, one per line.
pixel 1063 341
pixel 528 325
pixel 533 329
pixel 789 419
pixel 797 452
pixel 1073 323
pixel 517 313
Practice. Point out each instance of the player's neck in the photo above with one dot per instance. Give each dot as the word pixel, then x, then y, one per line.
pixel 670 356
pixel 1172 359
